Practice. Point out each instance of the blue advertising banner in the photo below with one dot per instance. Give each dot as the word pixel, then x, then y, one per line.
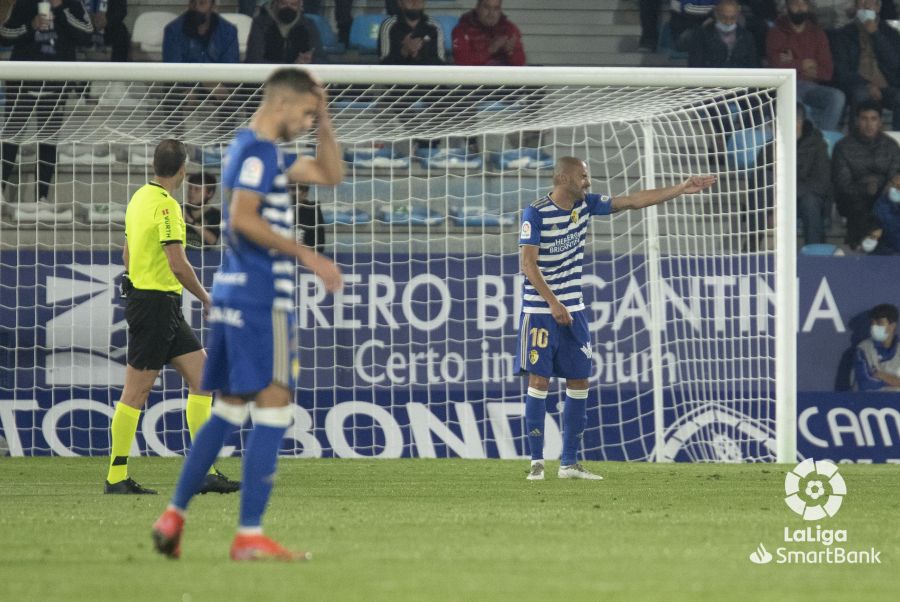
pixel 414 358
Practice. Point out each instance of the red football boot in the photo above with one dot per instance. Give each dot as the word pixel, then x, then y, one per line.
pixel 260 547
pixel 167 533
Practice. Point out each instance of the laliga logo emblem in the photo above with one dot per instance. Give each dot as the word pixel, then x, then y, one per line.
pixel 806 488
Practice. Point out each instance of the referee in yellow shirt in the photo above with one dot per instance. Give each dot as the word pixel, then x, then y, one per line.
pixel 157 270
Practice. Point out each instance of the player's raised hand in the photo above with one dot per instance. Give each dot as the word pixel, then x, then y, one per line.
pixel 697 183
pixel 561 314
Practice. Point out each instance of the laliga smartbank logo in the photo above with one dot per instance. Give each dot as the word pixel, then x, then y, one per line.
pixel 815 490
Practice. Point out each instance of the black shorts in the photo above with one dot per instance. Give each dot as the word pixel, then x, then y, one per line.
pixel 157 330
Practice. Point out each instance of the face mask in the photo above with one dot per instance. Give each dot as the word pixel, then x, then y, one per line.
pixel 726 28
pixel 797 18
pixel 878 332
pixel 866 14
pixel 868 244
pixel 412 15
pixel 287 15
pixel 894 195
pixel 196 18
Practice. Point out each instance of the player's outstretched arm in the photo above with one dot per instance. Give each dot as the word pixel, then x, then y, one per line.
pixel 327 168
pixel 528 257
pixel 655 196
pixel 245 219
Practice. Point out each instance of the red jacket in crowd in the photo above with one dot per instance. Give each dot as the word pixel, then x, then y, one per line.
pixel 787 49
pixel 472 42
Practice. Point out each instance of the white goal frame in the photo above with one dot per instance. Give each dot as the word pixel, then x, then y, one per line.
pixel 782 81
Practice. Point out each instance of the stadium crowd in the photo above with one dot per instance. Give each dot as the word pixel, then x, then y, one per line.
pixel 848 75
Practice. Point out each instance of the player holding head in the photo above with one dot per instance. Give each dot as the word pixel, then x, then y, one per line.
pixel 252 351
pixel 156 270
pixel 553 330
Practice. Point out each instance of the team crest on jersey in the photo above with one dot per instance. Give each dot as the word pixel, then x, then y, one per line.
pixel 575 216
pixel 526 230
pixel 533 356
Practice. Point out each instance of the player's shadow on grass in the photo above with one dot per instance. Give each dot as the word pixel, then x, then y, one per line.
pixel 859 330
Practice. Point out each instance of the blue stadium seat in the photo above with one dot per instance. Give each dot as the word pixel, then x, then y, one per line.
pixel 330 43
pixel 831 138
pixel 447 23
pixel 743 146
pixel 822 249
pixel 364 33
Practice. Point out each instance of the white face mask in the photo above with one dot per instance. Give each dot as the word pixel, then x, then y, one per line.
pixel 726 28
pixel 866 14
pixel 894 194
pixel 878 332
pixel 868 244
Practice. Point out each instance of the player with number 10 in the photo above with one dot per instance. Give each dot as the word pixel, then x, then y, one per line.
pixel 553 330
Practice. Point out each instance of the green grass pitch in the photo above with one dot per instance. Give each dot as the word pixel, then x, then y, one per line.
pixel 442 530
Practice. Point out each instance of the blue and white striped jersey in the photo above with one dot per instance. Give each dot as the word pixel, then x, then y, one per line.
pixel 252 275
pixel 560 235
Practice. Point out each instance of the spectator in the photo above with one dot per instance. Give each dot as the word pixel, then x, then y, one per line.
pixel 867 59
pixel 723 42
pixel 649 25
pixel 686 17
pixel 484 36
pixel 411 37
pixel 200 35
pixel 343 16
pixel 887 210
pixel 280 33
pixel 877 363
pixel 813 179
pixel 310 221
pixel 757 16
pixel 862 163
pixel 202 220
pixel 797 42
pixel 39 31
pixel 108 17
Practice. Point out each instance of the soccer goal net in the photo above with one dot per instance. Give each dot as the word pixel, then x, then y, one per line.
pixel 690 303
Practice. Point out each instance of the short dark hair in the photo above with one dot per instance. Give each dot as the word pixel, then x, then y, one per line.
pixel 292 78
pixel 867 105
pixel 203 179
pixel 169 157
pixel 886 311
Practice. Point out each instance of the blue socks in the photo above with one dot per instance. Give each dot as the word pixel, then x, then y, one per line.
pixel 204 450
pixel 535 412
pixel 260 459
pixel 574 420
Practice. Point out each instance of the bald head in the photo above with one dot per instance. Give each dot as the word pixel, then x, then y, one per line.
pixel 570 167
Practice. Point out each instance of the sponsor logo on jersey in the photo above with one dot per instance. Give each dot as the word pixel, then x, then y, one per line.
pixel 526 230
pixel 251 172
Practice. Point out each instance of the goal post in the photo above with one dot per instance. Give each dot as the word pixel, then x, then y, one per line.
pixel 692 303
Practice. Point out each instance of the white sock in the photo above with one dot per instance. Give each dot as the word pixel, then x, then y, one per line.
pixel 533 462
pixel 249 530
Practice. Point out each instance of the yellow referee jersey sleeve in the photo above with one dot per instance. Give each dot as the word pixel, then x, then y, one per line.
pixel 152 220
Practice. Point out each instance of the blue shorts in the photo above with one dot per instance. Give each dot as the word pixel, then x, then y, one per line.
pixel 548 349
pixel 248 348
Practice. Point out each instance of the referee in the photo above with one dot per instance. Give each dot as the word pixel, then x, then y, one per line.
pixel 157 270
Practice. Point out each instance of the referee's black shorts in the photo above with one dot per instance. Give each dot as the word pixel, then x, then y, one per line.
pixel 157 330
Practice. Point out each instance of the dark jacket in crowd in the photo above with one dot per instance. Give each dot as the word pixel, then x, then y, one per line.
pixel 813 164
pixel 888 214
pixel 71 27
pixel 272 41
pixel 395 29
pixel 845 48
pixel 855 159
pixel 182 43
pixel 708 49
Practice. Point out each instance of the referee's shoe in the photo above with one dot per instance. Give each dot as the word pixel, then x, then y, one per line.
pixel 216 482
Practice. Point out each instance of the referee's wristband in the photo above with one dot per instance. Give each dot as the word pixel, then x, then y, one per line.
pixel 125 287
